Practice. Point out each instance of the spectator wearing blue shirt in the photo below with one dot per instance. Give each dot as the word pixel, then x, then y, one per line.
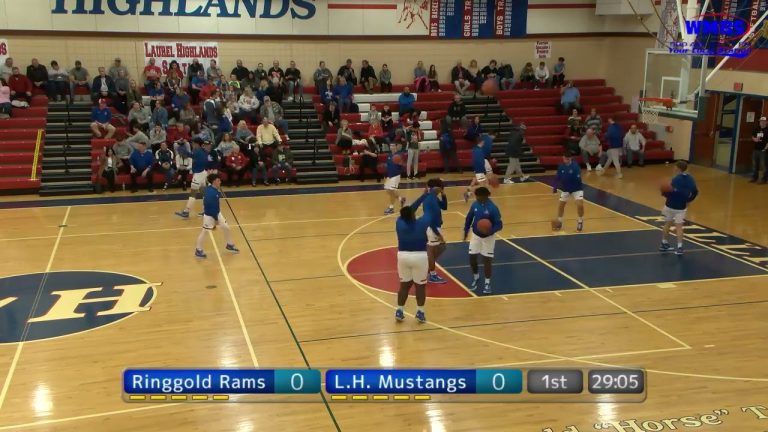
pixel 405 102
pixel 569 97
pixel 412 260
pixel 141 161
pixel 178 102
pixel 196 85
pixel 558 73
pixel 615 137
pixel 212 216
pixel 683 191
pixel 101 116
pixel 159 115
pixel 435 202
pixel 342 93
pixel 568 181
pixel 394 166
pixel 482 243
pixel 474 130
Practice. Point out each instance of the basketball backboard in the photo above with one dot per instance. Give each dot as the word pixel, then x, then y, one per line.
pixel 679 77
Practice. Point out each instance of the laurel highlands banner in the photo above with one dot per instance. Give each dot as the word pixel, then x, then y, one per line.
pixel 183 52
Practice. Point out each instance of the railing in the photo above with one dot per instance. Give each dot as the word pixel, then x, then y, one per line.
pixel 314 153
pixel 37 154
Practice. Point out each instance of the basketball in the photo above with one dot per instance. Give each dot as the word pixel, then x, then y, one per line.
pixel 397 159
pixel 556 225
pixel 484 226
pixel 490 87
pixel 666 187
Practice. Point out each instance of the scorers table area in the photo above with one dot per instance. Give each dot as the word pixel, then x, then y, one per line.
pixel 380 385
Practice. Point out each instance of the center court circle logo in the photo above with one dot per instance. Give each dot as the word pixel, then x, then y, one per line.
pixel 39 306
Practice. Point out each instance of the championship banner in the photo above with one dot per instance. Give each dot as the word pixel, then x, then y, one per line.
pixel 3 50
pixel 477 19
pixel 164 52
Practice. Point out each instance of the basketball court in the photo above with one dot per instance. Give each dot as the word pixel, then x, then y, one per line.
pixel 311 289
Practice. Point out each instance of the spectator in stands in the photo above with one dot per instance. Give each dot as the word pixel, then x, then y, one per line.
pixel 267 134
pixel 79 77
pixel 209 109
pixel 258 162
pixel 159 115
pixel 514 152
pixel 615 137
pixel 262 90
pixel 419 71
pixel 542 75
pixel 165 159
pixel 156 93
pixel 387 121
pixel 375 130
pixel 575 126
pixel 275 92
pixel 235 164
pixel 180 137
pixel 461 78
pixel 195 68
pixel 634 144
pixel 412 165
pixel 594 122
pixel 188 116
pixel 506 76
pixel 175 75
pixel 326 91
pixel 151 74
pixel 179 100
pixel 208 89
pixel 420 82
pixel 141 115
pixel 345 137
pixel 282 160
pixel 201 133
pixel 133 95
pixel 474 130
pixel 58 83
pixel 273 112
pixel 122 87
pixel 260 73
pixel 21 87
pixel 249 106
pixel 142 162
pixel 234 87
pixel 225 118
pixel 330 117
pixel 156 136
pixel 213 72
pixel 558 72
pixel 448 147
pixel 196 85
pixel 38 74
pixel 406 101
pixel 135 134
pixel 434 84
pixel 321 76
pixel 249 82
pixel 102 87
pixel 276 74
pixel 227 144
pixel 590 146
pixel 293 82
pixel 5 100
pixel 385 79
pixel 183 165
pixel 101 116
pixel 109 165
pixel 116 68
pixel 123 152
pixel 457 112
pixel 374 116
pixel 368 77
pixel 348 73
pixel 243 134
pixel 369 159
pixel 6 69
pixel 476 75
pixel 240 72
pixel 342 94
pixel 490 72
pixel 569 98
pixel 528 76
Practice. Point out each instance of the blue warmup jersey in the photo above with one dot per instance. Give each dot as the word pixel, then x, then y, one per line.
pixel 569 177
pixel 487 146
pixel 393 169
pixel 478 160
pixel 433 206
pixel 684 190
pixel 211 205
pixel 199 160
pixel 487 210
pixel 412 236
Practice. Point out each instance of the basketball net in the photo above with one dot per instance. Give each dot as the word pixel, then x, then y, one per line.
pixel 649 115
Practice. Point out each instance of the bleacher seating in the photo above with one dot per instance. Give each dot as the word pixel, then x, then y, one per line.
pixel 18 136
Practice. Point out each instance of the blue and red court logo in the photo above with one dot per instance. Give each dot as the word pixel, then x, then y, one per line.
pixel 39 306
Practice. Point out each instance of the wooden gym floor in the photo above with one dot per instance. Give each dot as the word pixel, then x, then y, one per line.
pixel 287 300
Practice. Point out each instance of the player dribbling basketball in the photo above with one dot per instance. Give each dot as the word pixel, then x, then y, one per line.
pixel 482 242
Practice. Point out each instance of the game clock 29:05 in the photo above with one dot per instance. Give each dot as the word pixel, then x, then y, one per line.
pixel 616 381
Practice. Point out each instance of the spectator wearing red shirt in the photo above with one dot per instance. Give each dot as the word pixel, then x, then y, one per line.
pixel 21 86
pixel 235 165
pixel 152 73
pixel 5 99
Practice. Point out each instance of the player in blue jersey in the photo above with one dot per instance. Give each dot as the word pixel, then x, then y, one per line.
pixel 200 153
pixel 481 163
pixel 683 191
pixel 212 216
pixel 434 201
pixel 392 181
pixel 412 260
pixel 568 181
pixel 481 243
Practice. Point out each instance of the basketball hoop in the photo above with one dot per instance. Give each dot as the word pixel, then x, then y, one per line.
pixel 650 108
pixel 649 115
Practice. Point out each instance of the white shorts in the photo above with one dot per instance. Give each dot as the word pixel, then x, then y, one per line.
pixel 412 266
pixel 672 215
pixel 392 183
pixel 481 245
pixel 480 177
pixel 488 168
pixel 578 195
pixel 199 180
pixel 432 237
pixel 210 223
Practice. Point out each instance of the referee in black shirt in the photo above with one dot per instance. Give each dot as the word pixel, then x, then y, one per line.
pixel 760 153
